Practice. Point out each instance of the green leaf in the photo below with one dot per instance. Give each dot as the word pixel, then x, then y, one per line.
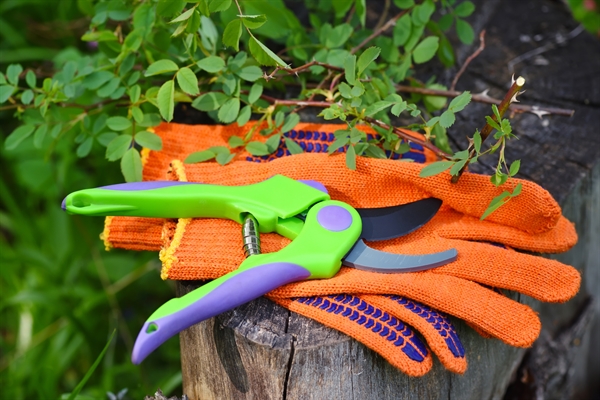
pixel 250 73
pixel 230 83
pixel 445 22
pixel 338 36
pixel 263 54
pixel 84 148
pixel 30 79
pixel 150 119
pixel 257 148
pixel 224 158
pixel 426 49
pixel 165 99
pixel 493 123
pixel 514 167
pixel 361 11
pixel 232 34
pixel 446 52
pixel 341 7
pixel 273 142
pixel 398 108
pixel 375 151
pixel 357 90
pixel 345 90
pixel 366 58
pixel 27 96
pixel 464 30
pixel 255 93
pixel 90 371
pixel 496 203
pixel 229 110
pixel 17 136
pixel 254 21
pixel 5 92
pixel 12 73
pixel 460 102
pixel 209 101
pixel 447 119
pixel 378 106
pixel 235 141
pixel 219 5
pixel 211 64
pixel 187 81
pixel 350 69
pixel 118 123
pixel 39 135
pixel 200 156
pixel 458 166
pixel 404 4
pixel 517 190
pixel 477 142
pixel 118 147
pixel 244 116
pixel 351 158
pixel 279 117
pixel 131 166
pixel 435 168
pixel 290 122
pixel 149 140
pixel 161 67
pixel 402 30
pixel 169 8
pixel 105 138
pixel 183 17
pixel 292 146
pixel 464 9
pixel 109 88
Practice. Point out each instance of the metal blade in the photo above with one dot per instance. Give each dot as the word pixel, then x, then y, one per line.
pixel 392 222
pixel 365 258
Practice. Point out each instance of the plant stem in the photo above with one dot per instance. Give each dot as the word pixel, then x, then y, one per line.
pixel 378 32
pixel 469 59
pixel 302 68
pixel 511 96
pixel 484 98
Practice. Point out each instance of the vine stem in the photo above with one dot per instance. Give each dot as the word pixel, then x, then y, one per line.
pixel 484 98
pixel 302 68
pixel 510 97
pixel 469 59
pixel 378 32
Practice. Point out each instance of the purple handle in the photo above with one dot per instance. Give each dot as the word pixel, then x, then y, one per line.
pixel 236 289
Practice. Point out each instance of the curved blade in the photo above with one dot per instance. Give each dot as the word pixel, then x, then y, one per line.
pixel 392 222
pixel 365 258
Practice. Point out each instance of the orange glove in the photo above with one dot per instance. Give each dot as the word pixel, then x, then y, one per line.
pixel 378 183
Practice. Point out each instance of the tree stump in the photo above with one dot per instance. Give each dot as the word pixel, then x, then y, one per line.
pixel 263 351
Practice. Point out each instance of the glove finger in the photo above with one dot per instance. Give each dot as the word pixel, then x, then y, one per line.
pixel 513 323
pixel 541 278
pixel 436 327
pixel 381 183
pixel 453 225
pixel 133 233
pixel 391 338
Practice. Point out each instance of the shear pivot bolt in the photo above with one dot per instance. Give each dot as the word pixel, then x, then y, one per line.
pixel 334 218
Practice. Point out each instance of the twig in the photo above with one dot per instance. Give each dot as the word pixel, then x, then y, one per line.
pixel 302 68
pixel 378 32
pixel 468 60
pixel 484 98
pixel 384 14
pixel 510 97
pixel 400 132
pixel 558 39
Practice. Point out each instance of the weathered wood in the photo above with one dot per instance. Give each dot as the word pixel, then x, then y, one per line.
pixel 262 351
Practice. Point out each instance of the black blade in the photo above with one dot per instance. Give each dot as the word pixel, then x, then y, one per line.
pixel 392 222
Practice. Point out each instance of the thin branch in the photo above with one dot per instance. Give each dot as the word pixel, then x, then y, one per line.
pixel 384 14
pixel 468 60
pixel 378 32
pixel 510 97
pixel 302 68
pixel 484 98
pixel 400 132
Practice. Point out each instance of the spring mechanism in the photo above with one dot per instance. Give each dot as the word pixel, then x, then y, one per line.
pixel 250 236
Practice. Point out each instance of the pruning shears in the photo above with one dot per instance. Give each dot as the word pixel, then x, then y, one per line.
pixel 325 234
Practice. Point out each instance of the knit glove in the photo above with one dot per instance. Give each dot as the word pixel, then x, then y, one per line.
pixel 204 249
